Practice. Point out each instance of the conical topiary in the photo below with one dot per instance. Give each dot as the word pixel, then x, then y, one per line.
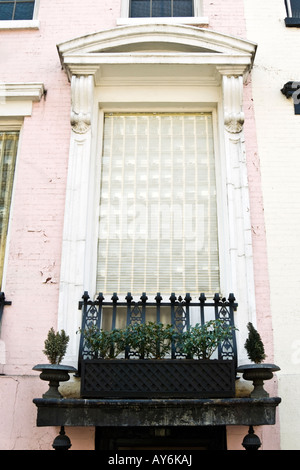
pixel 254 345
pixel 56 346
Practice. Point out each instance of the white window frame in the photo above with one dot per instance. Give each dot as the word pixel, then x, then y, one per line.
pixel 170 108
pixel 10 125
pixel 16 101
pixel 23 24
pixel 214 80
pixel 198 17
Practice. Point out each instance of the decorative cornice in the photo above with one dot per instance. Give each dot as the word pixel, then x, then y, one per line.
pixel 176 35
pixel 22 91
pixel 155 44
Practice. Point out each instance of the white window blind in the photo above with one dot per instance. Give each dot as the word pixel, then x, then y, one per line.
pixel 158 212
pixel 8 152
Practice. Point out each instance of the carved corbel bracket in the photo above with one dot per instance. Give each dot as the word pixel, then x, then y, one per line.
pixel 82 88
pixel 234 117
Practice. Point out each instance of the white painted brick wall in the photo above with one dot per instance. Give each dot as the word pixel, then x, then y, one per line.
pixel 278 133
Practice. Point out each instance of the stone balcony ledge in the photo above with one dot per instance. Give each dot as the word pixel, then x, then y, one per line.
pixel 156 412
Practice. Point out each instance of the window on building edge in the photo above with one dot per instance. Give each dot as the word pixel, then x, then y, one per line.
pixel 8 153
pixel 161 8
pixel 16 9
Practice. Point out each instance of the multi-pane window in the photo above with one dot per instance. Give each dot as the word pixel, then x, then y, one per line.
pixel 8 153
pixel 16 9
pixel 293 12
pixel 158 210
pixel 161 8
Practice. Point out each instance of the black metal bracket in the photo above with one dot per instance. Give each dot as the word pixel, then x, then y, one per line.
pixel 291 89
pixel 292 22
pixel 293 13
pixel 3 302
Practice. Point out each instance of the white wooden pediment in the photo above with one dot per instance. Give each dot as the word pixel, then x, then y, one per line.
pixel 154 44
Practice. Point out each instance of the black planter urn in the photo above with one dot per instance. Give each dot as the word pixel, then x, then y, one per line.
pixel 258 373
pixel 54 374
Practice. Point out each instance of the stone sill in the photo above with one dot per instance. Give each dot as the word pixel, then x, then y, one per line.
pixel 188 20
pixel 156 412
pixel 19 24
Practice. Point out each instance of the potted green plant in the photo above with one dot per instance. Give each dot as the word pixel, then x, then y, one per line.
pixel 149 340
pixel 55 349
pixel 202 340
pixel 104 344
pixel 258 371
pixel 149 371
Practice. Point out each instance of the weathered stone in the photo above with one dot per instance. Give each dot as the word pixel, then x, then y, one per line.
pixel 156 412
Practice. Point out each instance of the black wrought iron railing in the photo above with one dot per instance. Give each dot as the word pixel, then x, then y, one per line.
pixel 3 302
pixel 180 312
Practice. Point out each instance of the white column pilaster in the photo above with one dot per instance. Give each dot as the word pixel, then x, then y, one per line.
pixel 72 280
pixel 238 214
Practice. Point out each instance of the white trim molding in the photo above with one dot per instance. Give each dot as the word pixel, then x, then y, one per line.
pixel 140 44
pixel 189 20
pixel 19 24
pixel 23 91
pixel 159 67
pixel 16 98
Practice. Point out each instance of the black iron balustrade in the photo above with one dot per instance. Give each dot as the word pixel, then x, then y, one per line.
pixel 3 302
pixel 177 311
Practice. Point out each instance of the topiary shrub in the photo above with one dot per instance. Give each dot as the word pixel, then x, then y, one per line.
pixel 254 345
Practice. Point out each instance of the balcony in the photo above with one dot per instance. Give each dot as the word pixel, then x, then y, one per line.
pixel 175 375
pixel 130 392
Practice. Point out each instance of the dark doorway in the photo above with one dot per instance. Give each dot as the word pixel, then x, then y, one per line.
pixel 158 438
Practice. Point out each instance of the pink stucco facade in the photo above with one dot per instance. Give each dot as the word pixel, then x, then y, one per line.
pixel 34 246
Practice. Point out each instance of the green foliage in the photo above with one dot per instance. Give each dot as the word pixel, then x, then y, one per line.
pixel 56 346
pixel 153 340
pixel 254 345
pixel 149 340
pixel 105 344
pixel 202 340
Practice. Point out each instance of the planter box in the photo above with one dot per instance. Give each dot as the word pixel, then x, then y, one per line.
pixel 152 378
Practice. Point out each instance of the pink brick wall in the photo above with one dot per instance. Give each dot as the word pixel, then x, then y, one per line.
pixel 32 279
